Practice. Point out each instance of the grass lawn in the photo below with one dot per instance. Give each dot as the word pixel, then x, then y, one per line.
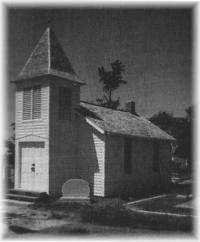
pixel 104 216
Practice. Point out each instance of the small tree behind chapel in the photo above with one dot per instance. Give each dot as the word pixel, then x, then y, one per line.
pixel 111 81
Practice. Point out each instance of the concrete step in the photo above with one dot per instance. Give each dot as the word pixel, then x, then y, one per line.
pixel 24 192
pixel 16 202
pixel 20 197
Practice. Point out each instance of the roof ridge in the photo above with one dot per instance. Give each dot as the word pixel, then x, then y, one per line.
pixel 123 122
pixel 98 105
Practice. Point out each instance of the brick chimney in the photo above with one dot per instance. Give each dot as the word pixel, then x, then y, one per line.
pixel 130 107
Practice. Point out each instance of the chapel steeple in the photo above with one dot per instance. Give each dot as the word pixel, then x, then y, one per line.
pixel 48 58
pixel 47 95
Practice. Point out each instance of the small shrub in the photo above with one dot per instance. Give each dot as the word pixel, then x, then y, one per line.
pixel 103 202
pixel 44 201
pixel 56 215
pixel 43 198
pixel 106 212
pixel 79 231
pixel 20 230
pixel 71 229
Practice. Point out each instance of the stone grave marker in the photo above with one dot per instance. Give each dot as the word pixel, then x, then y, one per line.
pixel 76 189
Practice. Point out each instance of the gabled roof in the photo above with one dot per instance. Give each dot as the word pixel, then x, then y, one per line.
pixel 121 122
pixel 48 58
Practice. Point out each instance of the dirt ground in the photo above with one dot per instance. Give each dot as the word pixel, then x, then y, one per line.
pixel 24 221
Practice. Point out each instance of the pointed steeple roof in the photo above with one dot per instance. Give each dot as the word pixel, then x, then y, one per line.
pixel 48 58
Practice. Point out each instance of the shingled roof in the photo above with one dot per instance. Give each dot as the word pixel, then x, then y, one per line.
pixel 48 58
pixel 121 122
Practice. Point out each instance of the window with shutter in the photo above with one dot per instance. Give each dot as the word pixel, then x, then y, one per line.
pixel 127 155
pixel 27 104
pixel 32 103
pixel 36 114
pixel 64 103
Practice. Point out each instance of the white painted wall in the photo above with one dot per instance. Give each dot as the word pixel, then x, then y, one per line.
pixel 32 130
pixel 91 157
pixel 74 149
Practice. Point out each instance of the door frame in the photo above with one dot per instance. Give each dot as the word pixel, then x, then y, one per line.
pixel 23 144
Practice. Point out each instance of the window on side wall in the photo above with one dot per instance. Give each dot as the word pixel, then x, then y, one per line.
pixel 156 156
pixel 64 103
pixel 32 103
pixel 127 155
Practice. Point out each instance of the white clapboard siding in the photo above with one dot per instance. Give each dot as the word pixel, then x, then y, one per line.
pixel 34 130
pixel 34 126
pixel 91 157
pixel 99 176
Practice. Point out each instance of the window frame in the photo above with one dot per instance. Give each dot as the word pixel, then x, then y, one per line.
pixel 32 103
pixel 128 155
pixel 40 102
pixel 64 104
pixel 156 153
pixel 24 109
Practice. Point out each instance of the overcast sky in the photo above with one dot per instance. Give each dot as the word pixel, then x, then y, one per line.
pixel 155 45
